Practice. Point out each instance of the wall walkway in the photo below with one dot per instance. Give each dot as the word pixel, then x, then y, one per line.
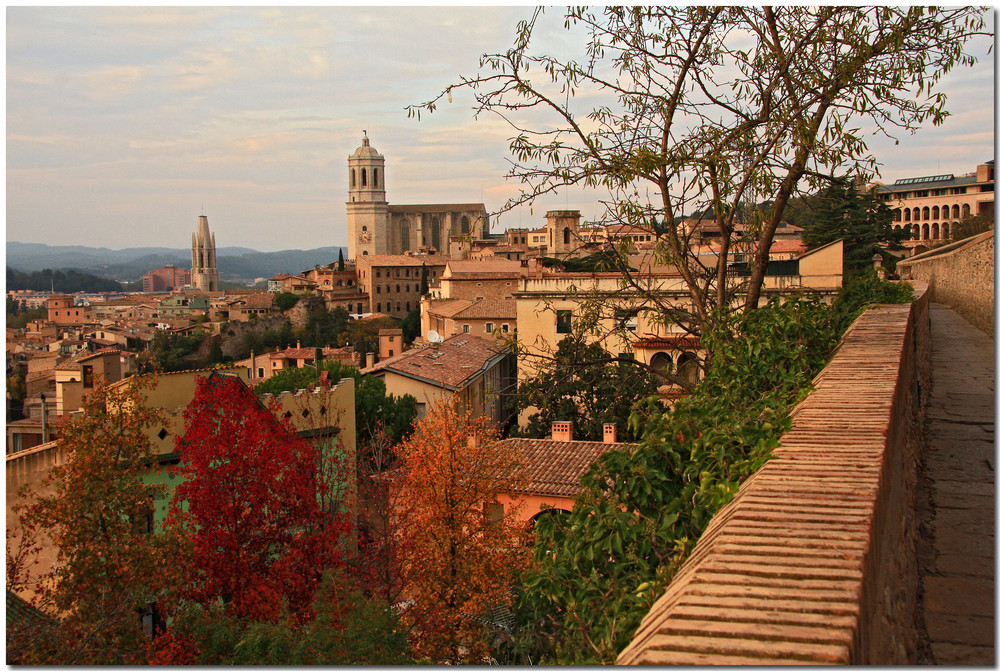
pixel 956 497
pixel 814 560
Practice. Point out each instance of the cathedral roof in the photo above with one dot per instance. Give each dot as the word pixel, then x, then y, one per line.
pixel 439 207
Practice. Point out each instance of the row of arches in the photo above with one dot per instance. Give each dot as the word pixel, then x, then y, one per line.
pixel 937 212
pixel 685 363
pixel 364 178
pixel 933 231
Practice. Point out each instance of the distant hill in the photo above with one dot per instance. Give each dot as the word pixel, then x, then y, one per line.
pixel 237 264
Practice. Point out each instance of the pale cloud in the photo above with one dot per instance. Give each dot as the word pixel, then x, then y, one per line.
pixel 123 122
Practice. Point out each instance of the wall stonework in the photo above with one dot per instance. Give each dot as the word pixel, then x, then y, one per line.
pixel 814 559
pixel 961 275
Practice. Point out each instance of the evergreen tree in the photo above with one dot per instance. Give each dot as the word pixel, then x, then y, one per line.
pixel 861 220
pixel 340 260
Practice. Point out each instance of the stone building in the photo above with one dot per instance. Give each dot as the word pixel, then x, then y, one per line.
pixel 374 227
pixel 931 206
pixel 204 272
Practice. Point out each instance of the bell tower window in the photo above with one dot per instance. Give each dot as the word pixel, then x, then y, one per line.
pixel 364 177
pixel 354 181
pixel 375 177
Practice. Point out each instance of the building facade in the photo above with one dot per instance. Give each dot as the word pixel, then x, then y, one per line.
pixel 929 207
pixel 168 278
pixel 204 271
pixel 374 227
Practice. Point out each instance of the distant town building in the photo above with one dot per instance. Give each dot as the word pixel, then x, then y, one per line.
pixel 931 206
pixel 375 227
pixel 168 278
pixel 204 272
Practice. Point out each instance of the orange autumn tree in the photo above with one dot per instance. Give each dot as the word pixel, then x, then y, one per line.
pixel 96 510
pixel 460 553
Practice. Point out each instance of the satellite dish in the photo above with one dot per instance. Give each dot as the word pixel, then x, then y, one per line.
pixel 434 337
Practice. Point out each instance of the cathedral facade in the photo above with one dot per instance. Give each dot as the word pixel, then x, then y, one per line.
pixel 204 272
pixel 374 227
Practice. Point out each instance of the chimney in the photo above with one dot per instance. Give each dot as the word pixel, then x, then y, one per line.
pixel 562 431
pixel 298 344
pixel 610 433
pixel 370 360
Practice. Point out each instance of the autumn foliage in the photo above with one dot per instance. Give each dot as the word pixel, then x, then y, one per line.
pixel 261 526
pixel 96 512
pixel 460 556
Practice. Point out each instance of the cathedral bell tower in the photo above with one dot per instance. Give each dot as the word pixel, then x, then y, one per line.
pixel 367 208
pixel 204 272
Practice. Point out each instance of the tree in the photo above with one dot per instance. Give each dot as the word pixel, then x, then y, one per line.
pixel 347 627
pixel 251 500
pixel 600 568
pixel 460 559
pixel 410 326
pixel 286 300
pixel 973 225
pixel 586 385
pixel 340 259
pixel 109 568
pixel 424 286
pixel 861 220
pixel 710 108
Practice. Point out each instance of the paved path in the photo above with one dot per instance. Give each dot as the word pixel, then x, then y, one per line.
pixel 956 497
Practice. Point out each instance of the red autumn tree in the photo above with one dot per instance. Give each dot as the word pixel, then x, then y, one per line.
pixel 96 511
pixel 252 499
pixel 461 553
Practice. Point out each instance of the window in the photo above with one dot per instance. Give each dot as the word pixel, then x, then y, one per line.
pixel 421 410
pixel 391 352
pixel 465 328
pixel 260 372
pixel 626 356
pixel 378 307
pixel 378 289
pixel 626 320
pixel 88 376
pixel 564 321
pixel 489 327
pixel 505 328
pixel 378 273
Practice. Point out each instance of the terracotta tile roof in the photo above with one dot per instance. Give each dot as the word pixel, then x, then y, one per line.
pixel 446 207
pixel 675 340
pixel 295 353
pixel 554 467
pixel 448 308
pixel 404 260
pixel 794 246
pixel 451 364
pixel 252 301
pixel 491 266
pixel 490 308
pixel 74 362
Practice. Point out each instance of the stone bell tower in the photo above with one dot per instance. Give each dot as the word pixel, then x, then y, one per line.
pixel 367 208
pixel 204 272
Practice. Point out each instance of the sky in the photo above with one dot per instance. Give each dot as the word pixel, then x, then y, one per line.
pixel 124 124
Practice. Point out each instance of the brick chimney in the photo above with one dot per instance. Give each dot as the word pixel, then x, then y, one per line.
pixel 370 360
pixel 610 433
pixel 562 431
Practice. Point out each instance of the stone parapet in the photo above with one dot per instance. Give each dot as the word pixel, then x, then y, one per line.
pixel 961 275
pixel 813 561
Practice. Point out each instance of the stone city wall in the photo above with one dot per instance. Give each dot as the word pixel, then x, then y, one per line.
pixel 814 560
pixel 960 276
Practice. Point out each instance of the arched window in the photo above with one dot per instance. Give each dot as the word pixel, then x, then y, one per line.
pixel 375 177
pixel 353 179
pixel 926 214
pixel 364 177
pixel 436 233
pixel 915 232
pixel 566 236
pixel 925 233
pixel 404 235
pixel 936 213
pixel 946 230
pixel 899 215
pixel 465 225
pixel 935 231
pixel 966 210
pixel 906 214
pixel 955 212
pixel 687 367
pixel 662 363
pixel 364 253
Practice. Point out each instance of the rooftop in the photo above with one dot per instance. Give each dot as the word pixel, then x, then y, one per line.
pixel 450 364
pixel 554 467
